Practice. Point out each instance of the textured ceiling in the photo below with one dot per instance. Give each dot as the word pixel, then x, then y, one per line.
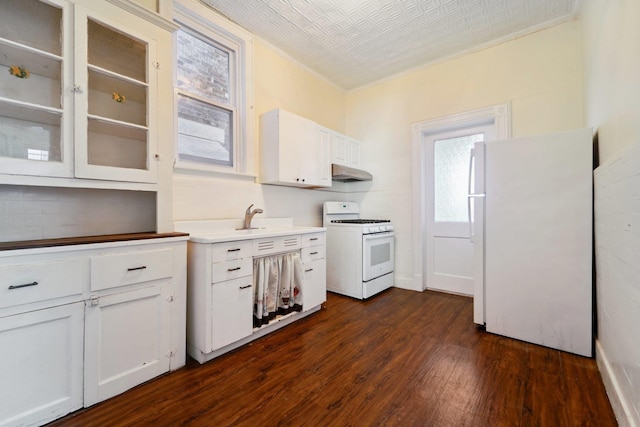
pixel 355 42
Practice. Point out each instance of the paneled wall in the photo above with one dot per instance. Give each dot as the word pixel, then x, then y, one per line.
pixel 612 91
pixel 617 220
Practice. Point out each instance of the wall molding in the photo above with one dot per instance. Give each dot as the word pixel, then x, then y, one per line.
pixel 621 407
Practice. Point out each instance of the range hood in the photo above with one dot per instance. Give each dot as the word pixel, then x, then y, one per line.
pixel 346 174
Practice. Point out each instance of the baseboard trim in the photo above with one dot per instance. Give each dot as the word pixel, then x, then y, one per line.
pixel 407 283
pixel 622 410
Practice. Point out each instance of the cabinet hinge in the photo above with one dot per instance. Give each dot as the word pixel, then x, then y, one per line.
pixel 171 298
pixel 93 302
pixel 77 89
pixel 156 65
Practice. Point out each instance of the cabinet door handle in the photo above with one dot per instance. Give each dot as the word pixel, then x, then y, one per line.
pixel 234 269
pixel 233 250
pixel 245 287
pixel 313 238
pixel 306 271
pixel 137 268
pixel 313 253
pixel 25 285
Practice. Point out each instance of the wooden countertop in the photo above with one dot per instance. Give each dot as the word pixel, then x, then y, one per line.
pixel 66 241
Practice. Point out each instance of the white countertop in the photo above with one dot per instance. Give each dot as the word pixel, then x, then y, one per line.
pixel 218 231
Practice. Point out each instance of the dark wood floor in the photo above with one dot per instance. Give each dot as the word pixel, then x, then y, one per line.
pixel 400 359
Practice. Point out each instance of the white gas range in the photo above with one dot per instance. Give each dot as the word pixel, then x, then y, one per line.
pixel 360 252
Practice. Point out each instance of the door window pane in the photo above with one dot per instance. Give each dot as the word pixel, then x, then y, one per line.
pixel 451 177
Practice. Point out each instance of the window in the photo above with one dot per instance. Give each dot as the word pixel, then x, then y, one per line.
pixel 213 92
pixel 451 174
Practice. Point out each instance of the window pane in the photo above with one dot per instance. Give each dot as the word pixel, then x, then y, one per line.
pixel 23 132
pixel 111 144
pixel 203 69
pixel 451 177
pixel 204 132
pixel 117 52
pixel 33 23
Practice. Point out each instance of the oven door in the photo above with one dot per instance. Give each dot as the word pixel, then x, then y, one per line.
pixel 378 255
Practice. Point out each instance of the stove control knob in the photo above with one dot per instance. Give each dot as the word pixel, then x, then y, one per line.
pixel 374 229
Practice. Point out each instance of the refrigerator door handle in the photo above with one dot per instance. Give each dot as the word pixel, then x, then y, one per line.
pixel 471 195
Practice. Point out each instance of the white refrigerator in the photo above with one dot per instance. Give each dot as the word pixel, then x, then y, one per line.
pixel 530 208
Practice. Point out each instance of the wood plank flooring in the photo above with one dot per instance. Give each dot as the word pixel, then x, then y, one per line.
pixel 400 359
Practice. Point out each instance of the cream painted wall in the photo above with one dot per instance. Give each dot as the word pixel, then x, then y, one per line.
pixel 279 82
pixel 612 91
pixel 612 72
pixel 539 74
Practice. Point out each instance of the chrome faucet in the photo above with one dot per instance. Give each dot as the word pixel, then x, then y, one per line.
pixel 248 216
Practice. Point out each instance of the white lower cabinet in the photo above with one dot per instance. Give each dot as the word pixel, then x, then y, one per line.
pixel 127 340
pixel 221 289
pixel 85 322
pixel 41 364
pixel 315 280
pixel 231 305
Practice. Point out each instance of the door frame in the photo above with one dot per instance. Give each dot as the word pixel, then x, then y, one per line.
pixel 498 116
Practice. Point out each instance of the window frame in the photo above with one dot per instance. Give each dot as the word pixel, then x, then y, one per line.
pixel 201 21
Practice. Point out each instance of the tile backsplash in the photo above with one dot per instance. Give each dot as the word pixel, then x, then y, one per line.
pixel 31 213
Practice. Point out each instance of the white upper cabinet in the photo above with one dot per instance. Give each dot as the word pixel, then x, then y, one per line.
pixel 293 151
pixel 345 150
pixel 115 78
pixel 80 97
pixel 35 103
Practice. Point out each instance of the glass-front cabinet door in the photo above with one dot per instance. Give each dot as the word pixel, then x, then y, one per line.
pixel 78 88
pixel 35 108
pixel 115 77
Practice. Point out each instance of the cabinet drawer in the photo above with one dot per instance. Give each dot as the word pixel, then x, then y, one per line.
pixel 314 239
pixel 221 252
pixel 127 268
pixel 275 245
pixel 231 269
pixel 27 283
pixel 311 254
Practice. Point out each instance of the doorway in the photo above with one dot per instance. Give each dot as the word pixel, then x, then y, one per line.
pixel 441 181
pixel 448 167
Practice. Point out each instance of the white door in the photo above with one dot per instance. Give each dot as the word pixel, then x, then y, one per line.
pixel 41 369
pixel 126 339
pixel 449 249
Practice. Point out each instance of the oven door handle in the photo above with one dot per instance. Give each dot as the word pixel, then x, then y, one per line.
pixel 377 236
